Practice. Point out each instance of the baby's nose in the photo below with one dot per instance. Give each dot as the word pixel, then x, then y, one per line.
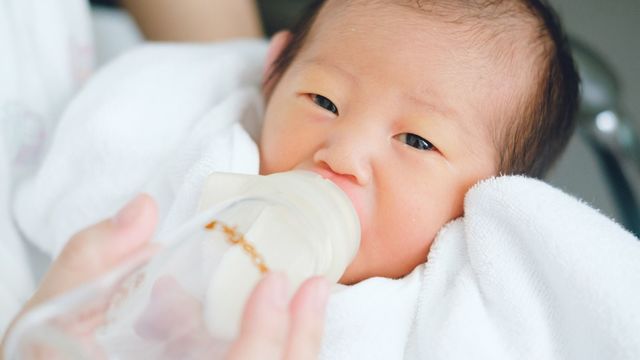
pixel 347 157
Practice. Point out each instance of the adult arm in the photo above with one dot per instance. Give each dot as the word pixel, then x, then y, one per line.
pixel 195 20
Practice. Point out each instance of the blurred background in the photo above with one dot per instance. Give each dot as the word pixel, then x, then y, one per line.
pixel 608 32
pixel 602 163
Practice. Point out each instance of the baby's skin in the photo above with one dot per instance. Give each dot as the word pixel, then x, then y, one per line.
pixel 398 108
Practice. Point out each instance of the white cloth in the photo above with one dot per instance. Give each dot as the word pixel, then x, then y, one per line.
pixel 16 278
pixel 158 120
pixel 45 55
pixel 528 273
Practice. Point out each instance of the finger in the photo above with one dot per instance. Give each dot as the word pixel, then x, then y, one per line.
pixel 307 323
pixel 110 241
pixel 265 322
pixel 100 248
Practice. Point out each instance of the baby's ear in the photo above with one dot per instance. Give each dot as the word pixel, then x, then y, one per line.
pixel 278 43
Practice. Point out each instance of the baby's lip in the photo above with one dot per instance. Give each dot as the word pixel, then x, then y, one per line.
pixel 348 186
pixel 341 181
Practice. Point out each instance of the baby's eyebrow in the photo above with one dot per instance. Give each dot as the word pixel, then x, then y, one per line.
pixel 328 65
pixel 447 112
pixel 438 106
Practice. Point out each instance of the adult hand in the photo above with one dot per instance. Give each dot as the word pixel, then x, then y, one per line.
pixel 271 328
pixel 97 250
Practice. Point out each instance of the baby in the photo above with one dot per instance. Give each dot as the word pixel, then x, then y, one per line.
pixel 407 104
pixel 404 104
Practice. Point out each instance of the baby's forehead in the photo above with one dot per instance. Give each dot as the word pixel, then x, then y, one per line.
pixel 498 24
pixel 507 34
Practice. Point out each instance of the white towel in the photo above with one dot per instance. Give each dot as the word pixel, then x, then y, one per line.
pixel 528 273
pixel 158 120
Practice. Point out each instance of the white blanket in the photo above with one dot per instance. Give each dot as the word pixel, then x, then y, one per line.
pixel 529 273
pixel 159 120
pixel 45 54
pixel 16 278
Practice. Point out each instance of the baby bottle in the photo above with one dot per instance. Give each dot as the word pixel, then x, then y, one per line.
pixel 187 301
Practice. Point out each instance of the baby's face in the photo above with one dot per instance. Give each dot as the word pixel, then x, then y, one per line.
pixel 397 110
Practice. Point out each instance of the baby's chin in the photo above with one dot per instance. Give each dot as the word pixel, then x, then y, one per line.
pixel 361 269
pixel 358 271
pixel 372 262
pixel 351 277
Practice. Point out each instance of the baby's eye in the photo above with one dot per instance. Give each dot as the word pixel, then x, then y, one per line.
pixel 324 103
pixel 415 141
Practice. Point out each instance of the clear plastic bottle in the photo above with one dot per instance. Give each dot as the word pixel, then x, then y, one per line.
pixel 187 301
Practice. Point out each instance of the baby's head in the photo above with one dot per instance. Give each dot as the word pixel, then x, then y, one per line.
pixel 406 104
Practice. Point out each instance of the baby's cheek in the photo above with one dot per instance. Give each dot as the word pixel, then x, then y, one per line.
pixel 410 219
pixel 274 155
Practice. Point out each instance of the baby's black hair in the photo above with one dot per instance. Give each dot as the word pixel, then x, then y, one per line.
pixel 535 136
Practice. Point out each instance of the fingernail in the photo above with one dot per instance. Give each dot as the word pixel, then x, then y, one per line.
pixel 279 287
pixel 128 214
pixel 320 294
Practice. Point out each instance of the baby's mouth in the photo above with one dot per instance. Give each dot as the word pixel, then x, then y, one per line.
pixel 348 186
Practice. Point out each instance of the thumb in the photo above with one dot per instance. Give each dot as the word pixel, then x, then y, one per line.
pixel 101 247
